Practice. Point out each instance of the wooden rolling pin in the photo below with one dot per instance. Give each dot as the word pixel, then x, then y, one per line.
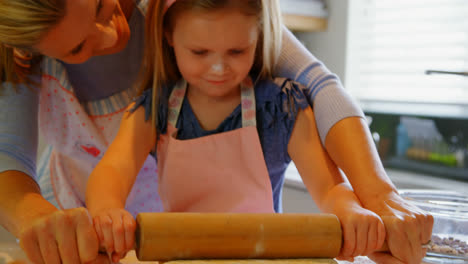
pixel 176 236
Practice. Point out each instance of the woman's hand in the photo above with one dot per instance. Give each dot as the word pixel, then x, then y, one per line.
pixel 116 231
pixel 64 236
pixel 407 229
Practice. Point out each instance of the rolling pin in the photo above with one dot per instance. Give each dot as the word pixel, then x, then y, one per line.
pixel 178 236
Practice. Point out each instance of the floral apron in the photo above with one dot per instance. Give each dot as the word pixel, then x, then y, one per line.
pixel 78 136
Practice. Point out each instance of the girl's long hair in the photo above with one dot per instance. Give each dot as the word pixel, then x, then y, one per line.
pixel 159 66
pixel 23 24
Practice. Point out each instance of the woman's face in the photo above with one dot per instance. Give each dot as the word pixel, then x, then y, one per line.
pixel 89 28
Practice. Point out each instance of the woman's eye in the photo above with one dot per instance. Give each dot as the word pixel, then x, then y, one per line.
pixel 99 7
pixel 199 52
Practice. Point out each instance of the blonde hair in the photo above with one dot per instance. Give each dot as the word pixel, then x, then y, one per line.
pixel 159 67
pixel 22 25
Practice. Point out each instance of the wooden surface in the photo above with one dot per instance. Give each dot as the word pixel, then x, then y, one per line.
pixel 305 23
pixel 278 261
pixel 175 236
pixel 10 253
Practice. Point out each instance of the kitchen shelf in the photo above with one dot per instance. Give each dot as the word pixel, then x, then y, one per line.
pixel 304 23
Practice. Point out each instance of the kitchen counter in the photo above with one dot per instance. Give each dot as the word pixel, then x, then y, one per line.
pixel 11 253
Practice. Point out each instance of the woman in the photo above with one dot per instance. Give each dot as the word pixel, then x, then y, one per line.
pixel 78 108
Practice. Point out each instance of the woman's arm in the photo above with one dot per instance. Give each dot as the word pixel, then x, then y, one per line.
pixel 18 129
pixel 19 194
pixel 23 210
pixel 331 102
pixel 407 226
pixel 347 140
pixel 339 120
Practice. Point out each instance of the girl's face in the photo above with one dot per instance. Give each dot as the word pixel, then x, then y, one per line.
pixel 89 28
pixel 214 50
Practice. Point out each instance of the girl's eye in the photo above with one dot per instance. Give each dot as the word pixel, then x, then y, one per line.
pixel 236 52
pixel 199 52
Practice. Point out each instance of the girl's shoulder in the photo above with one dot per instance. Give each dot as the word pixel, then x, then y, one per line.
pixel 281 95
pixel 143 100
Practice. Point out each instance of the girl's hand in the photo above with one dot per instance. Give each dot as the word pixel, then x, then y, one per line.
pixel 116 232
pixel 407 228
pixel 363 231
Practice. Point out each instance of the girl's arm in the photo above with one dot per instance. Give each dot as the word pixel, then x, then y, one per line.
pixel 363 231
pixel 112 179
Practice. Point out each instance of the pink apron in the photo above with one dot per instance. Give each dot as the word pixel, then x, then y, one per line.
pixel 225 172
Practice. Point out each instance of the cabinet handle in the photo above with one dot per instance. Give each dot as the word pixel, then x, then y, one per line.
pixel 446 72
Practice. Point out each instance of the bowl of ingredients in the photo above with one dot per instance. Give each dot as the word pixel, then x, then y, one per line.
pixel 449 242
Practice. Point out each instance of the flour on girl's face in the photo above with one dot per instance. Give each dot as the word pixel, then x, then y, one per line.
pixel 215 50
pixel 217 68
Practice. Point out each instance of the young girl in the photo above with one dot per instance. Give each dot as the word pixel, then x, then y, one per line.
pixel 223 131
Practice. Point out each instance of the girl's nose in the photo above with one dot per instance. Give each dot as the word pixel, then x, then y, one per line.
pixel 105 35
pixel 219 67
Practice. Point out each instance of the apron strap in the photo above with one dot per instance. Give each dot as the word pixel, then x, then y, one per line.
pixel 247 102
pixel 143 6
pixel 175 101
pixel 249 117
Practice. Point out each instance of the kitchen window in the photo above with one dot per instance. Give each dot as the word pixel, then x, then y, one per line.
pixel 407 64
pixel 409 57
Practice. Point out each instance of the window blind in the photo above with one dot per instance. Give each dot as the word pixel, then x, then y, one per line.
pixel 393 43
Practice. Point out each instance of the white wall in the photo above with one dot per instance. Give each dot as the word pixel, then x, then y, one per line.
pixel 330 46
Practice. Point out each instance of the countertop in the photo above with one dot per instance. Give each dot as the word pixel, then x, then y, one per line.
pixel 11 253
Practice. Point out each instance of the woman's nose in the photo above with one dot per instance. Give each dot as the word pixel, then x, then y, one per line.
pixel 105 36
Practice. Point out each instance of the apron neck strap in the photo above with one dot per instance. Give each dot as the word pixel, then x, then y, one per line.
pixel 247 102
pixel 249 117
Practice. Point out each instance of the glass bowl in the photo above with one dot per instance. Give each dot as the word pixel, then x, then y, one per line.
pixel 450 231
